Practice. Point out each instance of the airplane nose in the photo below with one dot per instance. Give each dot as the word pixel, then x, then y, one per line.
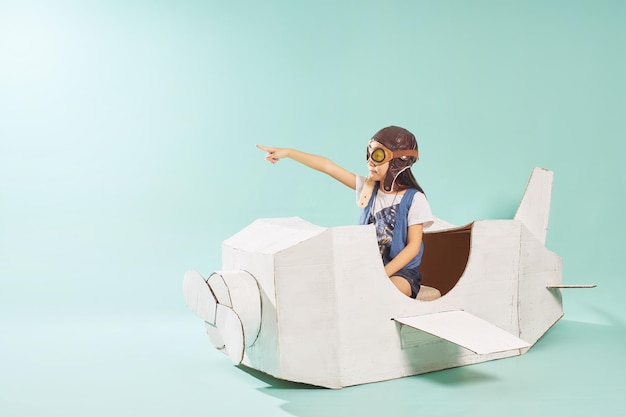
pixel 230 304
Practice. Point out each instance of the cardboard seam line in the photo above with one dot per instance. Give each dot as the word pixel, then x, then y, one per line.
pixel 519 284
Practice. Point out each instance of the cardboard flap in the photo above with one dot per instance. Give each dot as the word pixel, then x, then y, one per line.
pixel 465 330
pixel 270 236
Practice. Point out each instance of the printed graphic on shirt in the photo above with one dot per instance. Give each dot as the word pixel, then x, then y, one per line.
pixel 385 222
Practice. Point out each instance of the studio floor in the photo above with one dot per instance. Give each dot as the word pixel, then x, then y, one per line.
pixel 165 366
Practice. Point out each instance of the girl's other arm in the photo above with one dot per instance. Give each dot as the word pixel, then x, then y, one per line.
pixel 406 255
pixel 316 162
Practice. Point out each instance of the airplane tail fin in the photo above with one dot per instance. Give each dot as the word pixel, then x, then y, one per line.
pixel 534 209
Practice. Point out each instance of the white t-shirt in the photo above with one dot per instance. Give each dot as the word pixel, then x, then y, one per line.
pixel 419 213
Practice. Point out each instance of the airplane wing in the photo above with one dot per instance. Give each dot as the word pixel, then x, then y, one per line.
pixel 466 330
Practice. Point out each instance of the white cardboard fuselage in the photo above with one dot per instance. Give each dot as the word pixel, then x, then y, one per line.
pixel 329 311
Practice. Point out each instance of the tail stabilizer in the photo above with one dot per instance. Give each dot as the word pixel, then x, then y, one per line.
pixel 534 209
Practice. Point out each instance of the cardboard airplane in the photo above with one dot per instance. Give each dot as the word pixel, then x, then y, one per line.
pixel 311 304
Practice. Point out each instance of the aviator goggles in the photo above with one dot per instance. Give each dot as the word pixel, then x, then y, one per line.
pixel 381 154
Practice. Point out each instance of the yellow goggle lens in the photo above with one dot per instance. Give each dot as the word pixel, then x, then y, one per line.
pixel 378 155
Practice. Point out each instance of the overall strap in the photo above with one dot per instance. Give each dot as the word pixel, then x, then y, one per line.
pixel 367 210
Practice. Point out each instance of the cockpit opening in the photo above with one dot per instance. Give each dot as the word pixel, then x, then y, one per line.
pixel 446 253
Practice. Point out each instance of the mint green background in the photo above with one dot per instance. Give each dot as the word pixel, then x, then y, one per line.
pixel 127 133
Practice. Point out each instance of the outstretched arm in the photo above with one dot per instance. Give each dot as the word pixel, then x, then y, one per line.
pixel 316 162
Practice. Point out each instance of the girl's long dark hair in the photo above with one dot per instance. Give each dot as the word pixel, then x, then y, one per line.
pixel 407 180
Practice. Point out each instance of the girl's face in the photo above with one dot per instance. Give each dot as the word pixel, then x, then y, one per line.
pixel 377 172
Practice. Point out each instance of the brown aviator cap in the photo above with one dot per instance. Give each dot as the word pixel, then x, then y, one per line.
pixel 396 139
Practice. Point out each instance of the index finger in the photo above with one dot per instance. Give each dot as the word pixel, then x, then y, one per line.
pixel 264 148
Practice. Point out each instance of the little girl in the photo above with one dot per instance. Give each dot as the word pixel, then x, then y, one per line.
pixel 389 197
